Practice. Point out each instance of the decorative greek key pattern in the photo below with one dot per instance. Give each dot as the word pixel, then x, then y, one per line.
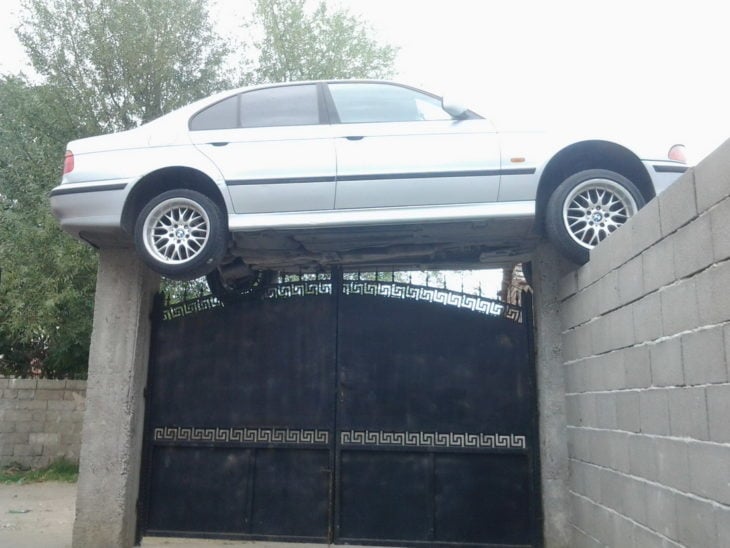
pixel 433 439
pixel 397 290
pixel 192 306
pixel 299 289
pixel 268 436
pixel 393 290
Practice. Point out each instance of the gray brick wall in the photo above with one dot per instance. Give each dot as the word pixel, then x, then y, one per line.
pixel 646 342
pixel 40 420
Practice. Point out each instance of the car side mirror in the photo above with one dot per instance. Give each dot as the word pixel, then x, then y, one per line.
pixel 455 108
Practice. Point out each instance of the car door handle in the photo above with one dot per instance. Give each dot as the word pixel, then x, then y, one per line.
pixel 354 137
pixel 219 143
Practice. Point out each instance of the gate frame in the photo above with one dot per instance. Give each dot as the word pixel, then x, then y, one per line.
pixel 110 467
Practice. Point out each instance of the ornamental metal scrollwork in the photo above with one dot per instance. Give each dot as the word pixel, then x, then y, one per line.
pixel 433 439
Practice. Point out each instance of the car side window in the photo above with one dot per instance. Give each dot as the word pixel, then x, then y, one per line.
pixel 280 106
pixel 221 115
pixel 372 102
pixel 270 107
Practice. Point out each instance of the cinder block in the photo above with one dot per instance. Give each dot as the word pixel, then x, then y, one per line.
pixel 635 499
pixel 4 382
pixel 658 265
pixel 577 343
pixel 55 405
pixel 661 514
pixel 6 427
pixel 648 318
pixel 722 519
pixel 568 285
pixel 692 251
pixel 33 405
pixel 27 450
pixel 44 439
pixel 666 362
pixel 646 538
pixel 76 385
pixel 688 413
pixel 628 416
pixel 712 177
pixel 643 457
pixel 679 307
pixel 712 295
pixel 26 394
pixel 720 225
pixel 606 411
pixel 579 443
pixel 22 384
pixel 607 290
pixel 631 280
pixel 10 394
pixel 637 362
pixel 51 384
pixel 623 531
pixel 575 377
pixel 696 522
pixel 709 466
pixel 703 354
pixel 673 463
pixel 619 451
pixel 78 396
pixel 611 370
pixel 645 227
pixel 718 409
pixel 654 408
pixel 677 204
pixel 49 394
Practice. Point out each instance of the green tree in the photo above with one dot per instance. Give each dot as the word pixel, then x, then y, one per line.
pixel 109 65
pixel 104 65
pixel 122 63
pixel 300 42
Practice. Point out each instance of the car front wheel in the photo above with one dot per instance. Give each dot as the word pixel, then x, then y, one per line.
pixel 586 208
pixel 181 234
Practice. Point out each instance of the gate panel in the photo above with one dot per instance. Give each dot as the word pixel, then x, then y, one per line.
pixel 435 409
pixel 240 421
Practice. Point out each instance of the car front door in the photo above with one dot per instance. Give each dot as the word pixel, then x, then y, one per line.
pixel 272 148
pixel 397 147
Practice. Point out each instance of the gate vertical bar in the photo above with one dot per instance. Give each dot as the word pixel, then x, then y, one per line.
pixel 337 281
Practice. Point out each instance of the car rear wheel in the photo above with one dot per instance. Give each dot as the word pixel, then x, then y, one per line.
pixel 181 234
pixel 586 208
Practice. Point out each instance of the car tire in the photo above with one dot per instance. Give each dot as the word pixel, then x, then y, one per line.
pixel 239 289
pixel 586 208
pixel 181 234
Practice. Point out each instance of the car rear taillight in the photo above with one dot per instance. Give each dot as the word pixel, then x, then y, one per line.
pixel 68 162
pixel 678 153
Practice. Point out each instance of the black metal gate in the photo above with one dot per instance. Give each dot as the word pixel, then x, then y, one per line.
pixel 348 411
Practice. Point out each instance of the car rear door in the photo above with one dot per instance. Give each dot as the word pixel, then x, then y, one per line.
pixel 397 147
pixel 272 148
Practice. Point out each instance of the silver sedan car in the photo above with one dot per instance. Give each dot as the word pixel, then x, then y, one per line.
pixel 264 177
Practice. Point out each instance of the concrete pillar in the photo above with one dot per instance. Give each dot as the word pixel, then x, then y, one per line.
pixel 547 269
pixel 114 417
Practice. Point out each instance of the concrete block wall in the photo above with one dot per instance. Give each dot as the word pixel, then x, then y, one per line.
pixel 646 342
pixel 40 420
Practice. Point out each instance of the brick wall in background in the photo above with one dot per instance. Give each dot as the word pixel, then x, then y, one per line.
pixel 40 420
pixel 646 342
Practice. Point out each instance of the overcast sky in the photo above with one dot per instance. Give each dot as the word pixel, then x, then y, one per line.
pixel 655 67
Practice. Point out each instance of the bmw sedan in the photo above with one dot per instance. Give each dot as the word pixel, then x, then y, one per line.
pixel 264 177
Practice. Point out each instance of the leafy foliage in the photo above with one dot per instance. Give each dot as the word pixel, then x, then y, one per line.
pixel 311 44
pixel 106 65
pixel 119 64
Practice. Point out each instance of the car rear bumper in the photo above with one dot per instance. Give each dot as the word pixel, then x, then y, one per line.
pixel 90 207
